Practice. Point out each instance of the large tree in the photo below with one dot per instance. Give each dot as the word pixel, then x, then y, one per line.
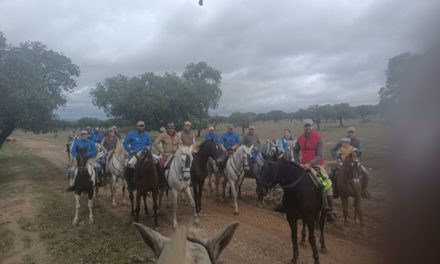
pixel 242 119
pixel 159 99
pixel 343 111
pixel 33 83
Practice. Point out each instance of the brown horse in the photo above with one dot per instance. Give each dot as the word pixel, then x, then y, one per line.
pixel 146 179
pixel 348 182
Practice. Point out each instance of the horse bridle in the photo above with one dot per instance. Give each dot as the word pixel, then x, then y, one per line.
pixel 243 165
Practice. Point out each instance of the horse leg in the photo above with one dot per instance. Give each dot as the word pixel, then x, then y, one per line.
pixel 155 194
pixel 132 202
pixel 174 194
pixel 303 234
pixel 202 183
pixel 209 184
pixel 196 196
pixel 293 226
pixel 191 201
pixel 77 206
pixel 113 189
pixel 224 189
pixel 217 186
pixel 138 206
pixel 234 193
pixel 90 204
pixel 344 201
pixel 124 183
pixel 311 227
pixel 144 197
pixel 357 207
pixel 321 229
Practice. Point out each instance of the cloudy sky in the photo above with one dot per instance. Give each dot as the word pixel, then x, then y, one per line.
pixel 273 54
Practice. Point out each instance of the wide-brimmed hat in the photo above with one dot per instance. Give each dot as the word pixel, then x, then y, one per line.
pixel 211 129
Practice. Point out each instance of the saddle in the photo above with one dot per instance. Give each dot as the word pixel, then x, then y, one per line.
pixel 318 179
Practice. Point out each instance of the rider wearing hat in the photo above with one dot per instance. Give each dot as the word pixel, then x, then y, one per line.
pixel 136 141
pixel 82 144
pixel 167 143
pixel 355 142
pixel 188 136
pixel 211 135
pixel 230 140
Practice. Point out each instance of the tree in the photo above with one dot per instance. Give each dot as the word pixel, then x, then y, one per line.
pixel 217 119
pixel 343 111
pixel 242 119
pixel 316 114
pixel 398 73
pixel 33 83
pixel 328 112
pixel 154 98
pixel 365 110
pixel 276 115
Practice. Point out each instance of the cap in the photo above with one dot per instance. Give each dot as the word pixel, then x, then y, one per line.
pixel 211 128
pixel 351 129
pixel 230 126
pixel 140 123
pixel 345 140
pixel 83 132
pixel 251 127
pixel 170 125
pixel 96 128
pixel 308 122
pixel 114 127
pixel 187 123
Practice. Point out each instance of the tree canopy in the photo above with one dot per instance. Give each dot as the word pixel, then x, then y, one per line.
pixel 33 83
pixel 157 98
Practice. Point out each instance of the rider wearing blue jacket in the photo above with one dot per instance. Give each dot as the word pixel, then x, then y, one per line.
pixel 211 135
pixel 229 140
pixel 96 136
pixel 136 140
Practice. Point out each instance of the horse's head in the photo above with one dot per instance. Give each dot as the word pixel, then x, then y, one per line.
pixel 246 156
pixel 210 149
pixel 81 157
pixel 185 247
pixel 268 177
pixel 184 153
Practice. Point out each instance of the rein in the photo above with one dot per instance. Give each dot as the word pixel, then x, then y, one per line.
pixel 233 165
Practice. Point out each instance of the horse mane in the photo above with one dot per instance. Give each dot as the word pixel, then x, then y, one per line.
pixel 119 150
pixel 346 168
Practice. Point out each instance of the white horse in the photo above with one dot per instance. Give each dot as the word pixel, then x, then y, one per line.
pixel 186 246
pixel 236 166
pixel 115 166
pixel 179 178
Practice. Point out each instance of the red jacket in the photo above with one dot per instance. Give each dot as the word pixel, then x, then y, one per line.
pixel 309 147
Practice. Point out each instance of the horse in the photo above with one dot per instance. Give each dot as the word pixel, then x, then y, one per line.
pixel 236 166
pixel 348 181
pixel 199 170
pixel 212 170
pixel 84 181
pixel 146 179
pixel 178 178
pixel 256 168
pixel 186 246
pixel 115 166
pixel 302 200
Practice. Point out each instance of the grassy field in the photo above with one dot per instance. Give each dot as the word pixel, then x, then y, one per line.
pixel 28 177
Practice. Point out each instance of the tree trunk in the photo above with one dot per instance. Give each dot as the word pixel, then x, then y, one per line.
pixel 6 131
pixel 340 122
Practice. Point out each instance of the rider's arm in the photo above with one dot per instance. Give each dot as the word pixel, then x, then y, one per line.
pixel 73 149
pixel 296 150
pixel 319 152
pixel 127 143
pixel 147 141
pixel 157 144
pixel 92 150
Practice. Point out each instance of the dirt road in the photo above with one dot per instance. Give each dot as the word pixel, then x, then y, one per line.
pixel 262 237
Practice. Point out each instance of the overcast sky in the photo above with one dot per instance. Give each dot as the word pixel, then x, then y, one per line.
pixel 273 54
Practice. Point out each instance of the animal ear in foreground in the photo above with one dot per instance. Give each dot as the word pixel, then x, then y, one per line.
pixel 183 249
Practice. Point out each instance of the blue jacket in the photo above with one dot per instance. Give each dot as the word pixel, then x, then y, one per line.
pixel 81 143
pixel 209 137
pixel 96 136
pixel 229 140
pixel 283 143
pixel 135 142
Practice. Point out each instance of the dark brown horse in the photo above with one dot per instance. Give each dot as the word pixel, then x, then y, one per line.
pixel 199 169
pixel 302 200
pixel 348 181
pixel 146 179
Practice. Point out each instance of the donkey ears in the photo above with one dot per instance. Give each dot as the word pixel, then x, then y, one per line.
pixel 222 239
pixel 153 239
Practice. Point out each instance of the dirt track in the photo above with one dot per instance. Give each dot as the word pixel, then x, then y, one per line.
pixel 262 237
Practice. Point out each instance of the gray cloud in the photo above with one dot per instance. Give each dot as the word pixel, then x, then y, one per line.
pixel 273 54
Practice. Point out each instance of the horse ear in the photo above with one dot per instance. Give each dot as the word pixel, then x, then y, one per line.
pixel 218 243
pixel 153 239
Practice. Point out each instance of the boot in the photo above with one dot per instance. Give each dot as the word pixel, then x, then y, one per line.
pixel 331 216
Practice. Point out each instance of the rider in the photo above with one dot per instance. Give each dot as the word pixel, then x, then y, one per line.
pixel 354 141
pixel 167 144
pixel 136 141
pixel 211 135
pixel 230 140
pixel 115 129
pixel 96 135
pixel 188 136
pixel 284 141
pixel 251 139
pixel 85 144
pixel 311 147
pixel 109 143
